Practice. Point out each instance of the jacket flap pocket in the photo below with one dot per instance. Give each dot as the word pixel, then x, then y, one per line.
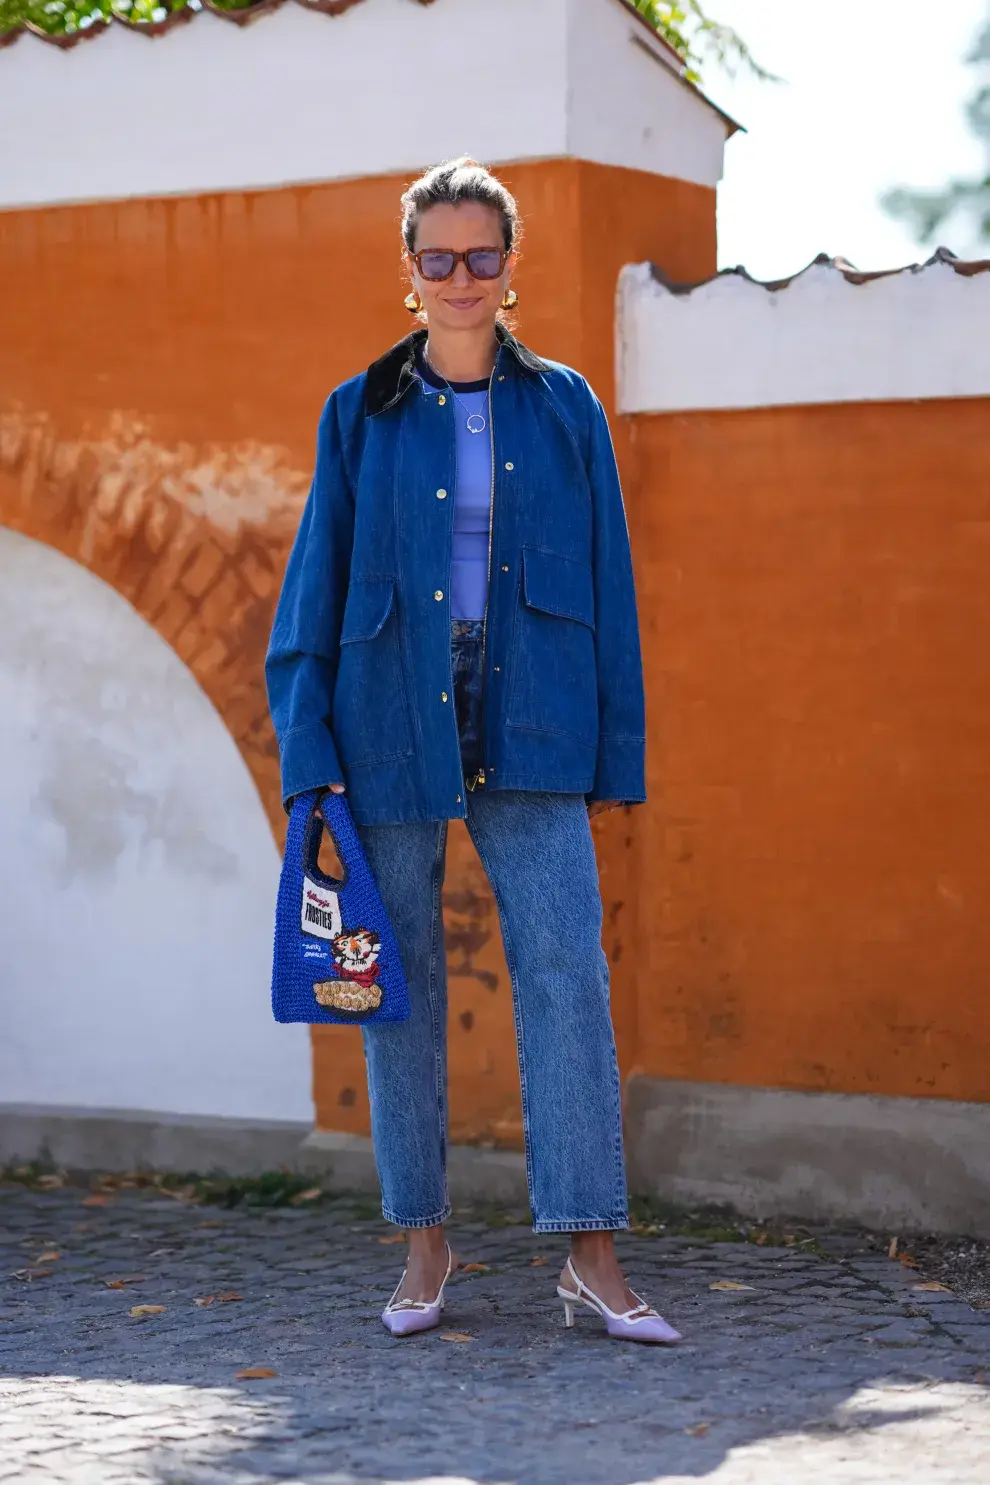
pixel 369 603
pixel 558 585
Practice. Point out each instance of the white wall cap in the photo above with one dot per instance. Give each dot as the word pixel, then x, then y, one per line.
pixel 829 334
pixel 629 103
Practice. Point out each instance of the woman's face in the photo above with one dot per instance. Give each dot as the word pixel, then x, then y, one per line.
pixel 461 302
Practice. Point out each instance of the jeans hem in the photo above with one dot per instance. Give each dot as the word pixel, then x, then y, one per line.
pixel 434 1221
pixel 584 1224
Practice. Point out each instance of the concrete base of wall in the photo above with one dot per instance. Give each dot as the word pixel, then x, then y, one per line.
pixel 137 1139
pixel 887 1163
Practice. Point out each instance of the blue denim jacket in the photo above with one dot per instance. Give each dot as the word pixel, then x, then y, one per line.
pixel 359 667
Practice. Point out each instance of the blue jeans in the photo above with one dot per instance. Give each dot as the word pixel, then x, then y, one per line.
pixel 537 851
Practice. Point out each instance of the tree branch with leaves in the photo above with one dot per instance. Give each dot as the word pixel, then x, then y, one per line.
pixel 962 201
pixel 699 39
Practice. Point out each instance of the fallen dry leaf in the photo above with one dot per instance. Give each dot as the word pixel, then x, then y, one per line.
pixel 124 1280
pixel 138 1311
pixel 892 1250
pixel 475 1268
pixel 699 1430
pixel 205 1299
pixel 312 1193
pixel 908 1260
pixel 27 1274
pixel 51 1256
pixel 933 1287
pixel 229 1297
pixel 729 1284
pixel 537 1262
pixel 399 1238
pixel 51 1183
pixel 252 1373
pixel 456 1335
pixel 96 1201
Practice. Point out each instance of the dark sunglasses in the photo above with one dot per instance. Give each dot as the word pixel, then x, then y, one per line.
pixel 436 264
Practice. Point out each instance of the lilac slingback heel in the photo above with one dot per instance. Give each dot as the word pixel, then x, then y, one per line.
pixel 407 1316
pixel 641 1323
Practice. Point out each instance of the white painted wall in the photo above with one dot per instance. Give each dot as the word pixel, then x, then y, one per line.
pixel 626 107
pixel 300 96
pixel 733 343
pixel 137 869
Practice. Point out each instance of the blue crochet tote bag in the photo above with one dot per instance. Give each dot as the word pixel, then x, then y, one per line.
pixel 336 958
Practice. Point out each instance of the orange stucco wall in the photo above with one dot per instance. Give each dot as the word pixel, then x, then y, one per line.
pixel 815 873
pixel 154 350
pixel 800 904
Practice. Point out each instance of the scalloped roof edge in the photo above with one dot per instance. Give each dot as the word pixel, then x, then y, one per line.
pixel 967 267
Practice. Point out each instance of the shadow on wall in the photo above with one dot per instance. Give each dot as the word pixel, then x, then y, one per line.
pixel 137 868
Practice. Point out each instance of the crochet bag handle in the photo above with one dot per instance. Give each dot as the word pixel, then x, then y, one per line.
pixel 336 958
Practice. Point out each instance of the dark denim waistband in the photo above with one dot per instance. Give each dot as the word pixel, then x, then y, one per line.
pixel 466 636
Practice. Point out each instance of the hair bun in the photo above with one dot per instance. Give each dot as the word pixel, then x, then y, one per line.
pixel 453 183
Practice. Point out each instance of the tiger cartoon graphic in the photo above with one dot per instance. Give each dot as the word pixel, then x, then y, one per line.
pixel 356 952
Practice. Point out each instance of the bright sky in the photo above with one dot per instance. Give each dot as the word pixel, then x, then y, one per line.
pixel 873 98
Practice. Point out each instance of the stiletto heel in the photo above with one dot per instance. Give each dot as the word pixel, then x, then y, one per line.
pixel 641 1323
pixel 408 1316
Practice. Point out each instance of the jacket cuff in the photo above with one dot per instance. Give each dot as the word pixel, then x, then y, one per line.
pixel 621 770
pixel 309 761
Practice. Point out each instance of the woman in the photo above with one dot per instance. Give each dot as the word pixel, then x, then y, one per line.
pixel 456 639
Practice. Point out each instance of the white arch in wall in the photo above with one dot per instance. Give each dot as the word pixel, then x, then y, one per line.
pixel 137 869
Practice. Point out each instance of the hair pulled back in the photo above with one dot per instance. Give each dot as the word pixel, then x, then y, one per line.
pixel 453 183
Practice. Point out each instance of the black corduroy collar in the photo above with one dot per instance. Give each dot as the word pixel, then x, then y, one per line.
pixel 391 375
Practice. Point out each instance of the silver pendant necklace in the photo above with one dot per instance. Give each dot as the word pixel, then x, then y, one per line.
pixel 475 422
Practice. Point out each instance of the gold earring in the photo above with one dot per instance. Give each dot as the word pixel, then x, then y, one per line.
pixel 510 299
pixel 413 303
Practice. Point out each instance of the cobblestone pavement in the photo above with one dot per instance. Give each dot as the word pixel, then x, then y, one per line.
pixel 836 1369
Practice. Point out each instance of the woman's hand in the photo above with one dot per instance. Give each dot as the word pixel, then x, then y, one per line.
pixel 599 806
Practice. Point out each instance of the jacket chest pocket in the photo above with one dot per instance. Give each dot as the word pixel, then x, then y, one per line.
pixel 370 707
pixel 553 686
